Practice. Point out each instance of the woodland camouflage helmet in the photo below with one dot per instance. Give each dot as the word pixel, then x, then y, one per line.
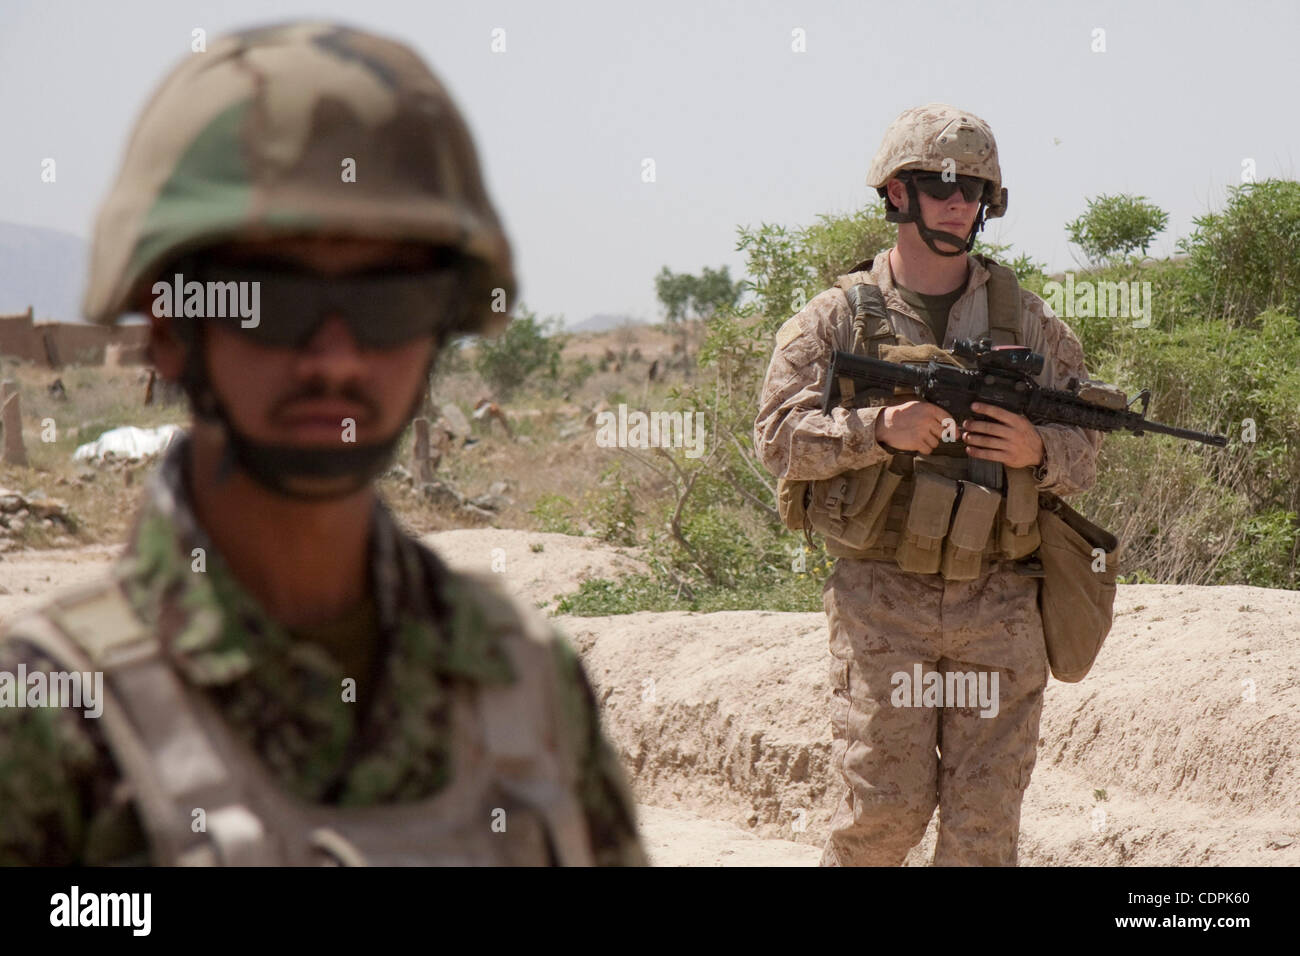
pixel 938 138
pixel 251 138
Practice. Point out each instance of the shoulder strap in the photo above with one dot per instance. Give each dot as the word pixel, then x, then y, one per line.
pixel 152 730
pixel 871 328
pixel 102 623
pixel 128 748
pixel 522 721
pixel 1004 304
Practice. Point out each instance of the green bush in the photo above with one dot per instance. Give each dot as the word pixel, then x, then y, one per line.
pixel 1266 555
pixel 1114 227
pixel 834 244
pixel 1246 259
pixel 613 512
pixel 1188 513
pixel 787 268
pixel 555 513
pixel 528 347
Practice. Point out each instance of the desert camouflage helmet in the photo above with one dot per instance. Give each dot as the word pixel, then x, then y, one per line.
pixel 251 139
pixel 938 138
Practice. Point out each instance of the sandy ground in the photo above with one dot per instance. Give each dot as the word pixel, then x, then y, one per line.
pixel 537 576
pixel 27 577
pixel 1182 747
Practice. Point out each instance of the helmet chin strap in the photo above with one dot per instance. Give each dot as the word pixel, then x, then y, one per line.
pixel 304 474
pixel 931 236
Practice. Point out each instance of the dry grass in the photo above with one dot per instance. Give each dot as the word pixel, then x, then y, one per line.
pixel 553 452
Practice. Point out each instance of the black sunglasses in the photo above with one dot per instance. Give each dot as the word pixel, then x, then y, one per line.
pixel 382 309
pixel 937 187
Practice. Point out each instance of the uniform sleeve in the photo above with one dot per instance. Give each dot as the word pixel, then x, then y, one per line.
pixel 604 793
pixel 62 802
pixel 791 435
pixel 1069 453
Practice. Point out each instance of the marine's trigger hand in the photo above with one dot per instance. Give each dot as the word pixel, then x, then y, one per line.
pixel 912 426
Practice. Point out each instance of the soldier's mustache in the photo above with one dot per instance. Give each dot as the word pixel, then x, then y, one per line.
pixel 319 392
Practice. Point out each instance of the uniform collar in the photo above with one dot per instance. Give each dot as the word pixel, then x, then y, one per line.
pixel 215 631
pixel 882 274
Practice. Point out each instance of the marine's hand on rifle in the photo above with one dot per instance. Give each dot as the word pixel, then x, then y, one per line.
pixel 1011 439
pixel 911 426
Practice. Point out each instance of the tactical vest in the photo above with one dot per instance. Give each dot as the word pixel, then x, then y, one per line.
pixel 928 513
pixel 511 800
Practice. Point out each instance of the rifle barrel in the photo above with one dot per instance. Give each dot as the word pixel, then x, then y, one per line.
pixel 1144 425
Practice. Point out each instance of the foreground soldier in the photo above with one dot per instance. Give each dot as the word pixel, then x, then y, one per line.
pixel 290 678
pixel 926 516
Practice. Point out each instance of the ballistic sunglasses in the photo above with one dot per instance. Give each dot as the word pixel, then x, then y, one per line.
pixel 937 187
pixel 279 305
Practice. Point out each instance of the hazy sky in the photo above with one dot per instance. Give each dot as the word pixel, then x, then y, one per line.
pixel 741 128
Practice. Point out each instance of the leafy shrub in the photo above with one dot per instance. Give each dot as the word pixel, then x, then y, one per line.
pixel 1266 554
pixel 788 267
pixel 1192 514
pixel 527 347
pixel 1246 259
pixel 614 513
pixel 1114 227
pixel 834 244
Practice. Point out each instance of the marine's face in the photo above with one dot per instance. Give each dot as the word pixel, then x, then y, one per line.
pixel 954 214
pixel 311 395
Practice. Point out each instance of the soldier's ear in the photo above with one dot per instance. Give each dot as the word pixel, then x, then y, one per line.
pixel 897 194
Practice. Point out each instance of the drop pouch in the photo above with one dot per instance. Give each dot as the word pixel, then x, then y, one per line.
pixel 1077 591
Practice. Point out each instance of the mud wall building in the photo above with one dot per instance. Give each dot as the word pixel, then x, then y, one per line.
pixel 53 344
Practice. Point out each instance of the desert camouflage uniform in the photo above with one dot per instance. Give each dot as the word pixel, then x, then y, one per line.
pixel 884 620
pixel 64 800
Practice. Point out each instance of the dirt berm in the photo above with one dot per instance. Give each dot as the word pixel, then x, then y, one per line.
pixel 1181 747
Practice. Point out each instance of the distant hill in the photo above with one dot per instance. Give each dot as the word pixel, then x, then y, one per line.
pixel 43 268
pixel 603 322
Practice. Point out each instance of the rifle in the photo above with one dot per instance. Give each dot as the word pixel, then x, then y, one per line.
pixel 1004 376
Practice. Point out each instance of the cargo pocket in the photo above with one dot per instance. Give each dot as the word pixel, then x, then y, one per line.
pixel 1018 533
pixel 969 534
pixel 921 550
